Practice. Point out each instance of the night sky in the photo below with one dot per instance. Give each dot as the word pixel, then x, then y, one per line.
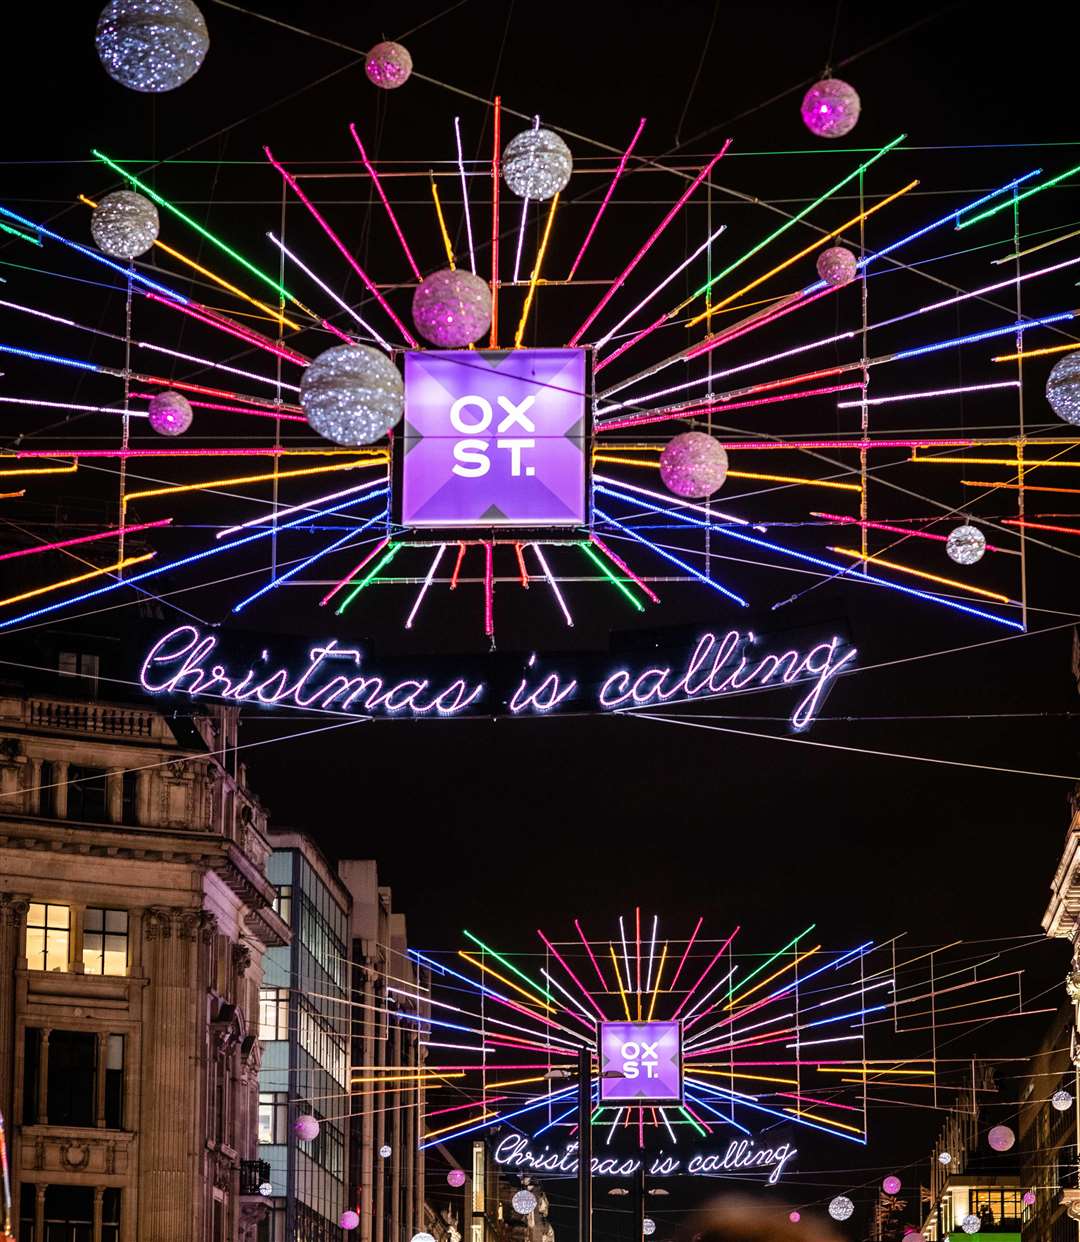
pixel 503 826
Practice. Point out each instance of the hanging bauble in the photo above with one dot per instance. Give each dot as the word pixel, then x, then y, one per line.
pixel 266 1189
pixel 837 266
pixel 794 1217
pixel 971 1224
pixel 151 45
pixel 456 1178
pixel 648 1226
pixel 693 465
pixel 1063 388
pixel 1001 1138
pixel 422 1236
pixel 537 164
pixel 170 413
pixel 944 1157
pixel 965 544
pixel 891 1184
pixel 385 1150
pixel 452 309
pixel 388 65
pixel 1028 1198
pixel 352 394
pixel 306 1128
pixel 124 225
pixel 841 1207
pixel 349 1219
pixel 830 108
pixel 1062 1101
pixel 523 1202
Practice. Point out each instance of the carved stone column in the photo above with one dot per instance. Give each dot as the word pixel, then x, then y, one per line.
pixel 12 918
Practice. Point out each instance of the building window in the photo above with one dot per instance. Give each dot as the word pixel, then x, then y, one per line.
pixel 84 666
pixel 273 1013
pixel 71 1080
pixel 272 1225
pixel 114 1082
pixel 110 1215
pixel 31 1076
pixel 283 902
pixel 48 936
pixel 105 942
pixel 129 802
pixel 69 1212
pixel 273 1117
pixel 50 774
pixel 996 1206
pixel 88 794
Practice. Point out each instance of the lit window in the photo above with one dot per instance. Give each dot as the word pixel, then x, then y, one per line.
pixel 283 902
pixel 48 936
pixel 273 1117
pixel 273 1013
pixel 105 942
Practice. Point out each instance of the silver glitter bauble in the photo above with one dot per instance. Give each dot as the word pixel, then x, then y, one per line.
pixel 837 266
pixel 693 465
pixel 388 65
pixel 648 1226
pixel 537 164
pixel 1062 1101
pixel 422 1236
pixel 944 1157
pixel 124 224
pixel 971 1224
pixel 385 1151
pixel 830 108
pixel 965 545
pixel 170 413
pixel 151 45
pixel 452 309
pixel 841 1207
pixel 1063 388
pixel 352 394
pixel 523 1202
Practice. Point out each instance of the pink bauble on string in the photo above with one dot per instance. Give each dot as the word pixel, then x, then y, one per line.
pixel 1001 1138
pixel 388 65
pixel 794 1217
pixel 837 266
pixel 456 1178
pixel 1029 1198
pixel 170 413
pixel 830 108
pixel 306 1128
pixel 452 309
pixel 891 1184
pixel 349 1219
pixel 693 465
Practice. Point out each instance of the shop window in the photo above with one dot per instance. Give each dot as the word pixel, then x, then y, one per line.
pixel 88 794
pixel 48 936
pixel 105 942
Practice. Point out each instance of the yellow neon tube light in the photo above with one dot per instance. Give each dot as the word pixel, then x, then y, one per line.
pixel 247 478
pixel 737 1000
pixel 534 1000
pixel 656 989
pixel 918 573
pixel 840 1125
pixel 1034 353
pixel 825 1069
pixel 46 470
pixel 94 573
pixel 992 461
pixel 1027 487
pixel 534 279
pixel 457 1126
pixel 618 980
pixel 427 1076
pixel 789 1082
pixel 802 254
pixel 442 226
pixel 515 1082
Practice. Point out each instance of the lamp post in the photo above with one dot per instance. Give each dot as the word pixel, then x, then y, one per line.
pixel 585 1145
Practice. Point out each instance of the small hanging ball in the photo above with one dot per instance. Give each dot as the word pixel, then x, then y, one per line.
pixel 965 545
pixel 841 1207
pixel 422 1236
pixel 1001 1138
pixel 170 413
pixel 830 108
pixel 352 394
pixel 124 225
pixel 1063 388
pixel 837 266
pixel 537 164
pixel 944 1157
pixel 648 1226
pixel 1062 1101
pixel 891 1184
pixel 794 1217
pixel 971 1224
pixel 452 309
pixel 523 1202
pixel 349 1219
pixel 693 465
pixel 306 1128
pixel 388 65
pixel 456 1178
pixel 151 45
pixel 1028 1198
pixel 385 1150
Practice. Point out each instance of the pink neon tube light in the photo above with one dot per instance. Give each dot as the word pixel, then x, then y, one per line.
pixel 562 962
pixel 638 420
pixel 228 409
pixel 686 952
pixel 896 530
pixel 369 283
pixel 615 284
pixel 70 543
pixel 489 590
pixel 733 333
pixel 178 452
pixel 716 957
pixel 354 571
pixel 385 201
pixel 607 197
pixel 621 564
pixel 232 330
pixel 592 956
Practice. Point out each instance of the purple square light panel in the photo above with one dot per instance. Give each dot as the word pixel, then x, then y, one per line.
pixel 494 438
pixel 640 1062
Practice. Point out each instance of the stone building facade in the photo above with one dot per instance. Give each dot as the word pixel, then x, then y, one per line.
pixel 134 915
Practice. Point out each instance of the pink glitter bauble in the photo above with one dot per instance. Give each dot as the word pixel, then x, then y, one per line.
pixel 1001 1138
pixel 837 266
pixel 388 65
pixel 348 1219
pixel 1029 1198
pixel 794 1217
pixel 891 1184
pixel 456 1177
pixel 830 108
pixel 693 465
pixel 306 1128
pixel 170 413
pixel 452 309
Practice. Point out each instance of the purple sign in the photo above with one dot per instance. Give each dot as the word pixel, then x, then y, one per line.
pixel 640 1062
pixel 494 438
